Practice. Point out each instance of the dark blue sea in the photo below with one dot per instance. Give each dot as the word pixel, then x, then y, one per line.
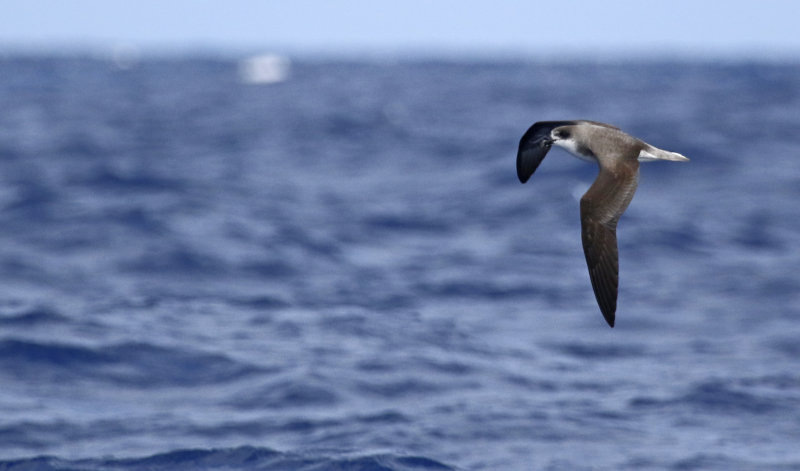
pixel 333 266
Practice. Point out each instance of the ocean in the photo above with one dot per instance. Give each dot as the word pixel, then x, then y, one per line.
pixel 315 264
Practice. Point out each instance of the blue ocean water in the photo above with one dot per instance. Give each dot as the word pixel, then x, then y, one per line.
pixel 340 270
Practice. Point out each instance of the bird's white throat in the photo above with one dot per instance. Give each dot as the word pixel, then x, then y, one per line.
pixel 573 148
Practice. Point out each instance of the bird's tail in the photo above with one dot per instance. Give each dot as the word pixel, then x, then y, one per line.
pixel 650 153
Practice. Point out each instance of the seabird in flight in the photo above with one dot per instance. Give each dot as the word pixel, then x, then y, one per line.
pixel 618 154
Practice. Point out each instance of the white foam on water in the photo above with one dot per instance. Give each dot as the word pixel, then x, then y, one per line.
pixel 264 69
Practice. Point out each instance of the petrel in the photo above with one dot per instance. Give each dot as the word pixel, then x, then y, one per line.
pixel 618 155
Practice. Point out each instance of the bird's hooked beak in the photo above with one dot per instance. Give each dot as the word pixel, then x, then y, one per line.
pixel 541 145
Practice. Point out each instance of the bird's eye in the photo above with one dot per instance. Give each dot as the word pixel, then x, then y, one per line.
pixel 562 134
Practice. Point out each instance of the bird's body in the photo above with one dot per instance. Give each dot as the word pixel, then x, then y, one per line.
pixel 618 155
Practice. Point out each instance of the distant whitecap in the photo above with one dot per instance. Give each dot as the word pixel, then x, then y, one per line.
pixel 125 56
pixel 267 68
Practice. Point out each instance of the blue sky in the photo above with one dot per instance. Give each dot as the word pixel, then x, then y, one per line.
pixel 463 27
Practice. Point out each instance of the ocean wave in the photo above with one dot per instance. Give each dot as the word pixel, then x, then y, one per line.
pixel 598 351
pixel 724 397
pixel 132 364
pixel 33 316
pixel 240 458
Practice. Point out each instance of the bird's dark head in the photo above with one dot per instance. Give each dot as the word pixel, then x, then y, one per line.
pixel 566 137
pixel 560 133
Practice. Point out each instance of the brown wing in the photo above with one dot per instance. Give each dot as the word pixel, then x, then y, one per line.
pixel 601 207
pixel 600 248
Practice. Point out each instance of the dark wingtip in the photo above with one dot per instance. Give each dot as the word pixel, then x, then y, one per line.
pixel 609 314
pixel 533 146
